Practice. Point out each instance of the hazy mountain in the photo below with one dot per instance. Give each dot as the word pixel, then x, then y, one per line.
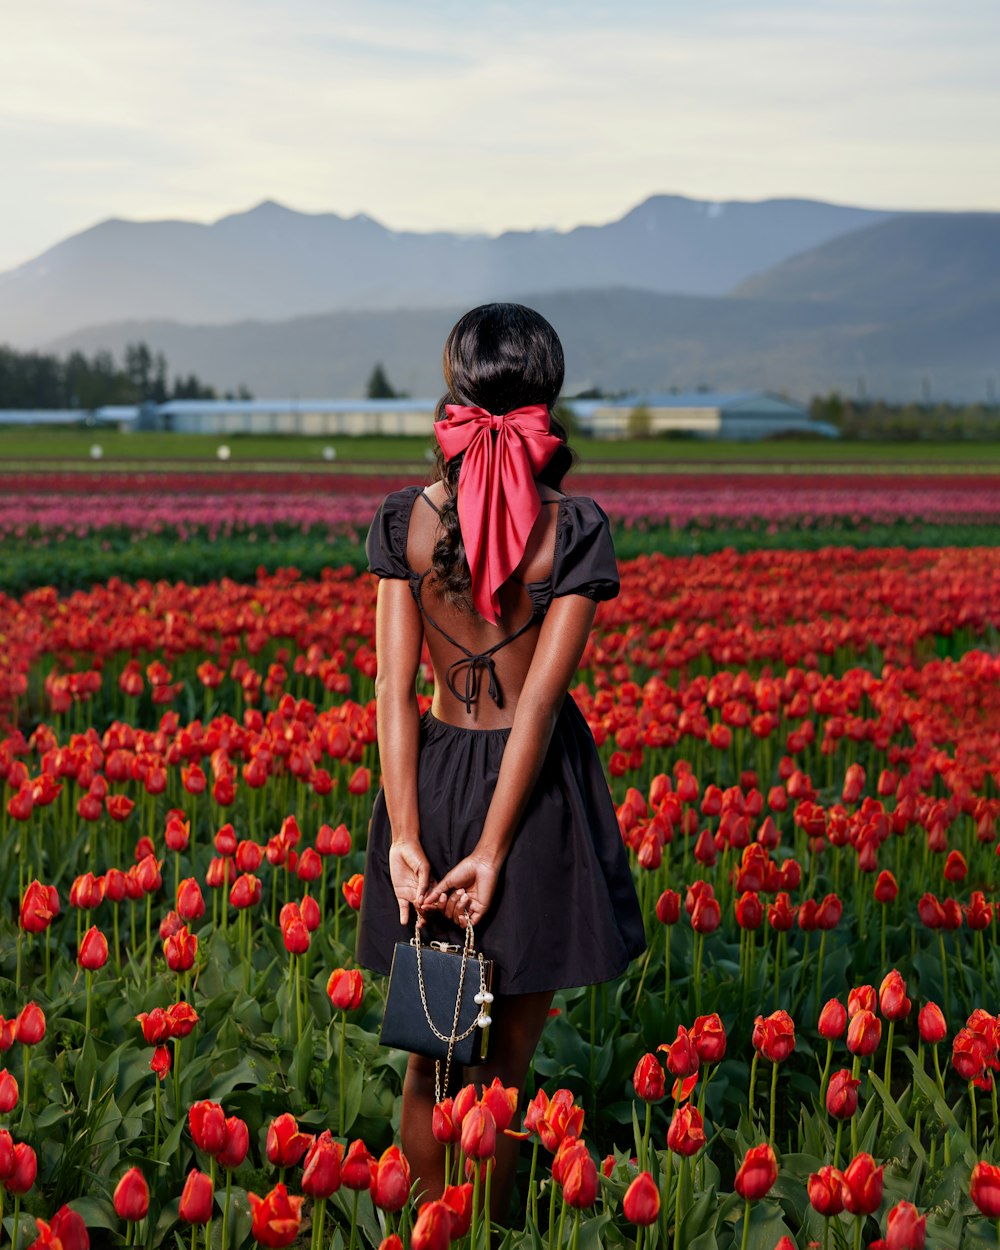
pixel 619 339
pixel 897 266
pixel 274 263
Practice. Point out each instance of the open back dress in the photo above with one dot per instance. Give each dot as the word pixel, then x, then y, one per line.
pixel 565 911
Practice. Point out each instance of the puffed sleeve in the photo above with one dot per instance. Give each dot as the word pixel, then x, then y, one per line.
pixel 584 560
pixel 385 545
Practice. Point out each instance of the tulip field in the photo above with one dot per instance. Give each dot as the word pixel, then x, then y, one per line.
pixel 803 748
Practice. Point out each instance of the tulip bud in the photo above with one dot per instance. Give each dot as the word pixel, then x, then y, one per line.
pixel 390 1180
pixel 886 888
pixel 984 1189
pixel 842 1095
pixel 458 1199
pixel 905 1230
pixel 355 1171
pixel 235 1144
pixel 864 1185
pixel 826 1191
pixel 774 1037
pixel 346 988
pixel 833 1020
pixel 207 1122
pixel 131 1197
pixel 197 1199
pixel 668 907
pixel 352 890
pixel 931 1023
pixel 709 1038
pixel 892 1000
pixel 864 1033
pixel 479 1133
pixel 757 1173
pixel 686 1134
pixel 641 1204
pixel 93 951
pixel 25 1169
pixel 861 998
pixel 8 1093
pixel 285 1145
pixel 29 1024
pixel 648 1079
pixel 432 1230
pixel 276 1216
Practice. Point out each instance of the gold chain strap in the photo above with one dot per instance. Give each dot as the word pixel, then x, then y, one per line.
pixel 482 1019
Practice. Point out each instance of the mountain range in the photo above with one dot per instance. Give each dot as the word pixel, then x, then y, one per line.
pixel 797 296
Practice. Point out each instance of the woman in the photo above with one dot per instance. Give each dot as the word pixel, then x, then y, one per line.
pixel 494 804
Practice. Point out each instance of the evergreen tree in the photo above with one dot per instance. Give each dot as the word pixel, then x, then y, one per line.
pixel 379 386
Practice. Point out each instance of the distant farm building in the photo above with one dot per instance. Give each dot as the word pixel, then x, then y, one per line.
pixel 701 414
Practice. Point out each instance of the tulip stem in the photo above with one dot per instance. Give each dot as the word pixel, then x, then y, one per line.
pixel 682 1176
pixel 354 1218
pixel 576 1230
pixel 340 1067
pixel 149 937
pixel 552 1211
pixel 666 966
pixel 211 1206
pixel 836 1143
pixel 668 1181
pixel 944 977
pixel 644 1154
pixel 562 1221
pixel 858 1226
pixel 699 946
pixel 532 1205
pixel 973 1118
pixel 17 978
pixel 487 1214
pixel 225 1211
pixel 746 1224
pixel 16 1234
pixel 886 1079
pixel 774 1094
pixel 474 1223
pixel 194 1237
pixel 27 1081
pixel 826 1075
pixel 753 1084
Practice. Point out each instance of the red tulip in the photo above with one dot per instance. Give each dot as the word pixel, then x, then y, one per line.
pixel 182 1017
pixel 829 912
pixel 827 1191
pixel 502 1102
pixel 443 1125
pixel 93 951
pixel 842 1095
pixel 22 1176
pixel 390 1180
pixel 749 910
pixel 984 1189
pixel 285 1145
pixel 197 1199
pixel 686 1134
pixel 562 1118
pixel 346 988
pixel 864 1185
pixel 355 1171
pixel 648 1079
pixel 641 1204
pixel 931 1023
pixel 245 891
pixel 333 841
pixel 6 1153
pixel 864 1033
pixel 207 1122
pixel 581 1184
pixel 66 1229
pixel 833 1020
pixel 861 998
pixel 886 888
pixel 29 1024
pixel 709 1038
pixel 459 1200
pixel 930 911
pixel 892 1000
pixel 781 914
pixel 479 1133
pixel 131 1197
pixel 321 1166
pixel 36 911
pixel 352 889
pixel 180 950
pixel 905 1229
pixel 160 1062
pixel 155 1026
pixel 276 1216
pixel 235 1144
pixel 757 1173
pixel 706 915
pixel 955 867
pixel 774 1037
pixel 8 1092
pixel 668 907
pixel 978 912
pixel 682 1054
pixel 433 1227
pixel 190 901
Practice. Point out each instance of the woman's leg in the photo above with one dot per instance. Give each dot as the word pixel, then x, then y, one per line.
pixel 518 1021
pixel 424 1154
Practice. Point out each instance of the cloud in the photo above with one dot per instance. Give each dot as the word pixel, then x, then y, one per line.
pixel 496 116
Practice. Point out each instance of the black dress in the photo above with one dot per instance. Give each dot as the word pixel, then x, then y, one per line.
pixel 565 911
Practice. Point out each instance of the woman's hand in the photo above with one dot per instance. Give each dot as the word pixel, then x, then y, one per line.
pixel 410 873
pixel 468 887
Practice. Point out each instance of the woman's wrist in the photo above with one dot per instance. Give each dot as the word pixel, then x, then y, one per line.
pixel 405 838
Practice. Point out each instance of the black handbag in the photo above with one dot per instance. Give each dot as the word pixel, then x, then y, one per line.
pixel 437 1002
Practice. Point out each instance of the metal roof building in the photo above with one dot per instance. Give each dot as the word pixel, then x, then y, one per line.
pixel 703 414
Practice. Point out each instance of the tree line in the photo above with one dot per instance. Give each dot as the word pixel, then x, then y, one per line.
pixel 879 419
pixel 40 380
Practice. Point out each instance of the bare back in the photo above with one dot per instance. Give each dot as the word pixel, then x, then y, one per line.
pixel 523 598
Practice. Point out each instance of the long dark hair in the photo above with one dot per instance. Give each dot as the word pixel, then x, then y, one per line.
pixel 498 357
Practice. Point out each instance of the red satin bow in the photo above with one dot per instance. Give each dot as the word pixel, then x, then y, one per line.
pixel 497 496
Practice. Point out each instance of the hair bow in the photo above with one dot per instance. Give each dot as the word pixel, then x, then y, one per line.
pixel 497 496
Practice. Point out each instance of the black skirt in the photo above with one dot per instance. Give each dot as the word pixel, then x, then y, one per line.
pixel 565 911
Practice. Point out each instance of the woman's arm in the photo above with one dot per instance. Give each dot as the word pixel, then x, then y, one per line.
pixel 399 635
pixel 561 642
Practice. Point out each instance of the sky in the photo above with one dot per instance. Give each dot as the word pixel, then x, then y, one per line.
pixel 487 116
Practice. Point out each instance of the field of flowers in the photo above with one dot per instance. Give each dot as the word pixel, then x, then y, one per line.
pixel 804 752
